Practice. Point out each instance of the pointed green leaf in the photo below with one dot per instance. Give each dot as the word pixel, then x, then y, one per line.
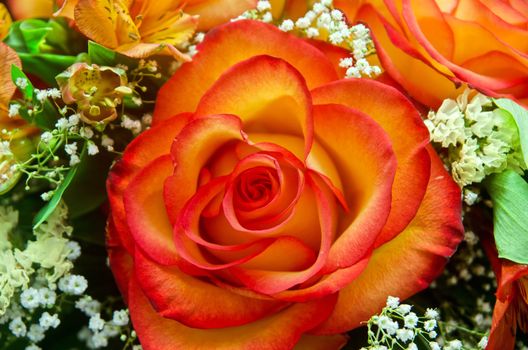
pixel 106 57
pixel 509 192
pixel 520 115
pixel 48 209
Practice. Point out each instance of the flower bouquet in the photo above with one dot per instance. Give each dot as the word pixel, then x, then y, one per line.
pixel 272 174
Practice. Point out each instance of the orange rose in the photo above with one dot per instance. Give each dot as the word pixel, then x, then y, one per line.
pixel 272 203
pixel 426 45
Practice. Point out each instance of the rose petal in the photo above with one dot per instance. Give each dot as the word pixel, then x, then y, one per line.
pixel 266 93
pixel 416 256
pixel 189 300
pixel 215 12
pixel 228 45
pixel 147 219
pixel 279 331
pixel 271 282
pixel 146 147
pixel 191 150
pixel 407 133
pixel 362 153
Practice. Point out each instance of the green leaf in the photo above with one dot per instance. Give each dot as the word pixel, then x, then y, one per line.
pixel 48 209
pixel 106 57
pixel 28 90
pixel 34 32
pixel 46 118
pixel 509 192
pixel 88 190
pixel 520 115
pixel 47 66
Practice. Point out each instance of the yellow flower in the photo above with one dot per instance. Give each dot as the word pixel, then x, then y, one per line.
pixel 96 91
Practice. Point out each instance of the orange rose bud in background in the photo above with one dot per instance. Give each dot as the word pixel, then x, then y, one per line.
pixel 428 45
pixel 272 204
pixel 22 9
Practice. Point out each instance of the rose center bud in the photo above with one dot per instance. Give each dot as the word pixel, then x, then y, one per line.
pixel 255 188
pixel 262 192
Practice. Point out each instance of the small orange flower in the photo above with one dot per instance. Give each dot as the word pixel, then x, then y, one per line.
pixel 511 307
pixel 145 27
pixel 96 91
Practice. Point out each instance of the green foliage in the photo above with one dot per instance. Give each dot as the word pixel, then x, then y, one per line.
pixel 520 115
pixel 44 47
pixel 106 57
pixel 509 192
pixel 48 209
pixel 45 115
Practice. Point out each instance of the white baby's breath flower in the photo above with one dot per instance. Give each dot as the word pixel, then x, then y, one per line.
pixel 21 83
pixel 434 345
pixel 42 95
pixel 263 5
pixel 431 313
pixel 47 297
pixel 404 309
pixel 429 325
pixel 404 335
pixel 14 110
pixel 54 93
pixel 62 124
pixel 46 136
pixel 302 23
pixel 17 327
pixel 74 160
pixel 92 148
pixel 96 323
pixel 35 333
pixel 86 132
pixel 286 25
pixel 73 284
pixel 453 345
pixel 410 320
pixel 120 318
pixel 30 298
pixel 48 321
pixel 393 302
pixel 74 250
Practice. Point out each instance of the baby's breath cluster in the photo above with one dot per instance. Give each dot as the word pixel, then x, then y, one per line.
pixel 398 327
pixel 479 138
pixel 323 22
pixel 33 277
pixel 36 282
pixel 83 123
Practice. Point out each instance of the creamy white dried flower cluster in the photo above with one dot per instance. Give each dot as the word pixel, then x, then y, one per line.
pixel 480 139
pixel 398 327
